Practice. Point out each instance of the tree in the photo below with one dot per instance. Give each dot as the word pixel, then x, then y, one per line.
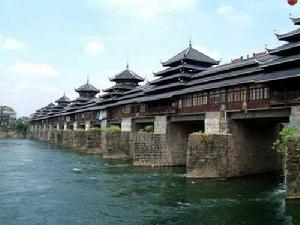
pixel 20 126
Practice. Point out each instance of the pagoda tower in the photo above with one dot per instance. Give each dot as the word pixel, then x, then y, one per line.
pixel 180 68
pixel 63 101
pixel 86 91
pixel 286 55
pixel 124 81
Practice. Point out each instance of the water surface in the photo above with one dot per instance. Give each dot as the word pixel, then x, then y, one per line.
pixel 42 184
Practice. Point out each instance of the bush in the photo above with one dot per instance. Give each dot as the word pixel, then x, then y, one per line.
pixel 20 126
pixel 113 129
pixel 287 135
pixel 198 132
pixel 148 129
pixel 95 129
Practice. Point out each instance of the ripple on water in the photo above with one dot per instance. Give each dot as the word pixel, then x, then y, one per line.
pixel 77 170
pixel 79 189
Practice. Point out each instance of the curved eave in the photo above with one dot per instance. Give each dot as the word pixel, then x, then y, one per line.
pixel 290 36
pixel 295 20
pixel 280 60
pixel 283 48
pixel 133 80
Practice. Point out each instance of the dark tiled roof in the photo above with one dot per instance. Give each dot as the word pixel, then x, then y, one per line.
pixel 182 67
pixel 166 87
pixel 171 77
pixel 233 66
pixel 87 87
pixel 280 60
pixel 296 21
pixel 120 87
pixel 279 75
pixel 227 75
pixel 191 54
pixel 127 75
pixel 284 48
pixel 290 36
pixel 63 99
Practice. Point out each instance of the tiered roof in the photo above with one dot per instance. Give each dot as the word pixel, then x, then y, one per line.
pixel 87 90
pixel 180 69
pixel 124 81
pixel 286 55
pixel 64 100
pixel 192 56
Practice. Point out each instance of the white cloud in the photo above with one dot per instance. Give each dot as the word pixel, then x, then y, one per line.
pixel 31 69
pixel 147 8
pixel 12 44
pixel 94 48
pixel 234 15
pixel 8 43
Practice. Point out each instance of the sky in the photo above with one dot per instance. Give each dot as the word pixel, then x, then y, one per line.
pixel 50 47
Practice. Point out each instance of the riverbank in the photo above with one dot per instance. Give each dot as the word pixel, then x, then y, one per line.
pixel 11 134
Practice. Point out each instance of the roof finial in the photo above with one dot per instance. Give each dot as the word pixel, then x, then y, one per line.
pixel 127 65
pixel 190 41
pixel 87 80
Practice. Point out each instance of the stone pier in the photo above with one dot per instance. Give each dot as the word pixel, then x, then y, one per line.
pixel 231 148
pixel 292 162
pixel 292 167
pixel 165 147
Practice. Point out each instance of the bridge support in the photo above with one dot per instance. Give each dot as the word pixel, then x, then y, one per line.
pixel 65 126
pixel 118 145
pixel 292 162
pixel 127 125
pixel 231 148
pixel 293 170
pixel 295 117
pixel 216 123
pixel 87 126
pixel 75 126
pixel 167 145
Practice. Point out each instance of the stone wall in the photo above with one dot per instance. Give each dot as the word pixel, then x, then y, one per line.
pixel 158 150
pixel 292 166
pixel 207 155
pixel 118 145
pixel 94 142
pixel 10 134
pixel 248 150
pixel 79 139
pixel 67 139
pixel 215 122
pixel 150 150
pixel 82 140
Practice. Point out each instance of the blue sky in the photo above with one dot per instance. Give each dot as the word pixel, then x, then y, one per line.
pixel 50 47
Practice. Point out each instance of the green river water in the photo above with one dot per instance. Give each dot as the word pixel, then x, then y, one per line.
pixel 41 184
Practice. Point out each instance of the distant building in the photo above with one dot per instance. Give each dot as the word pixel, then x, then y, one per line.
pixel 7 116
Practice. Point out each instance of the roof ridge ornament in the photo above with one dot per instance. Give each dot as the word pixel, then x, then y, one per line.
pixel 127 64
pixel 88 80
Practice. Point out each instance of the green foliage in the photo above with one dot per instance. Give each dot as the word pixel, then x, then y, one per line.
pixel 113 129
pixel 95 129
pixel 149 129
pixel 20 126
pixel 287 136
pixel 198 132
